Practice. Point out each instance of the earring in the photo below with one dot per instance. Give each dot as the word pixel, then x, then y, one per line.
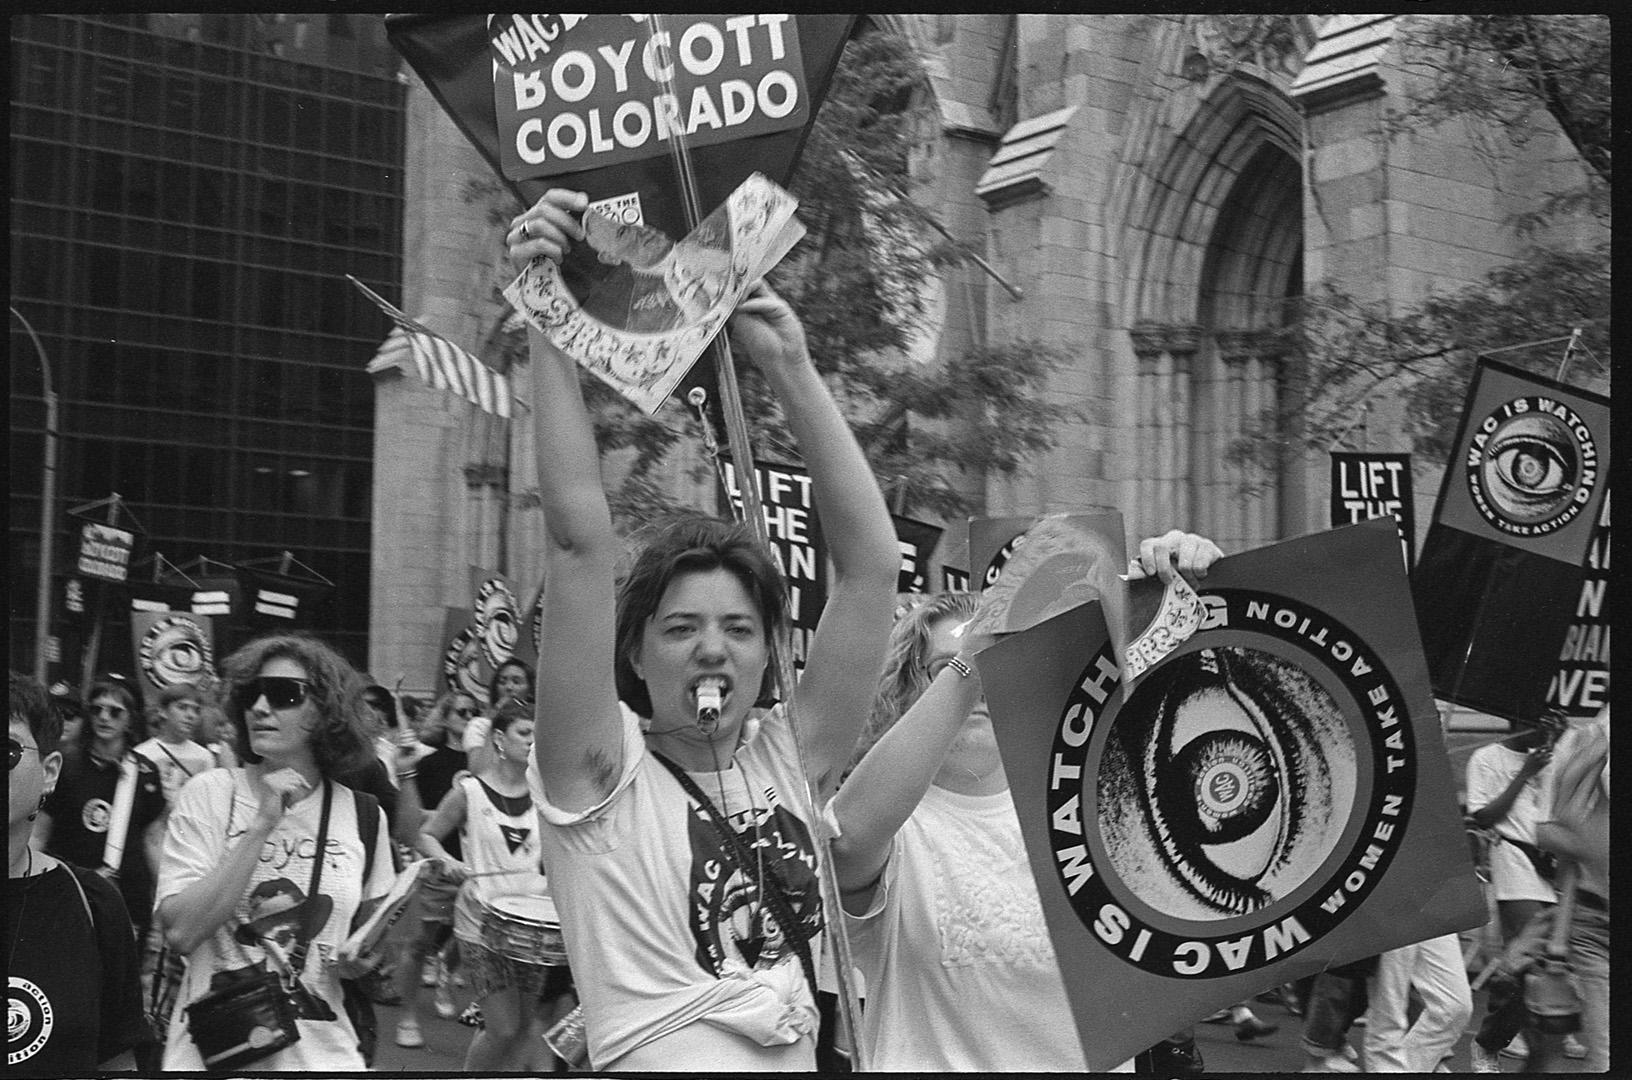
pixel 41 807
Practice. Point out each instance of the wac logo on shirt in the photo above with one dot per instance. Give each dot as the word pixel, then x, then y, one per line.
pixel 29 1020
pixel 731 924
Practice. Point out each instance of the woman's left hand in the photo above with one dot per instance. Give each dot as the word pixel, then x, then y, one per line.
pixel 1174 552
pixel 765 327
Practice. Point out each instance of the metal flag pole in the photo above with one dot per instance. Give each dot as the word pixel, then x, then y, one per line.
pixel 741 444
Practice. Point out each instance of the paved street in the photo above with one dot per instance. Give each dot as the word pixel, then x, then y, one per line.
pixel 445 1040
pixel 445 1043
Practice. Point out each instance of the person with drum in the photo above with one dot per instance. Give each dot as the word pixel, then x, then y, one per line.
pixel 681 833
pixel 509 936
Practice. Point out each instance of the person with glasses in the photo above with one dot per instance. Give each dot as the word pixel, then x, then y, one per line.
pixel 84 814
pixel 74 999
pixel 681 836
pixel 427 961
pixel 240 885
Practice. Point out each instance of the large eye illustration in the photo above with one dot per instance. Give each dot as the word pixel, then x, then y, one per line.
pixel 1225 783
pixel 177 653
pixel 1530 468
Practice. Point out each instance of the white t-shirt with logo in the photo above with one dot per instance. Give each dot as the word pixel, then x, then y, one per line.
pixel 210 815
pixel 659 925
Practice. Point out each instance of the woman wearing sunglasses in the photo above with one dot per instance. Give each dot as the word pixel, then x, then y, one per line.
pixel 84 811
pixel 240 892
pixel 427 784
pixel 75 997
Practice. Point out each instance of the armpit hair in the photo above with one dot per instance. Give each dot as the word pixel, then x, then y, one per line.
pixel 602 769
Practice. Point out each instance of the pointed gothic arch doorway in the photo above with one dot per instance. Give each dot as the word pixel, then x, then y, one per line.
pixel 1223 256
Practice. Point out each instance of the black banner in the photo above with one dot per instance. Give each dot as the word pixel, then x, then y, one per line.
pixel 917 540
pixel 1581 685
pixel 1501 570
pixel 795 534
pixel 1367 485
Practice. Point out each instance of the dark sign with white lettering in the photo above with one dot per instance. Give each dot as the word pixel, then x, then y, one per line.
pixel 795 534
pixel 1501 571
pixel 1270 796
pixel 1581 686
pixel 589 91
pixel 1367 485
pixel 917 540
pixel 104 551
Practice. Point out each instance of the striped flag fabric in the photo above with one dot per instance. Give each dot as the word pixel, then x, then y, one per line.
pixel 440 362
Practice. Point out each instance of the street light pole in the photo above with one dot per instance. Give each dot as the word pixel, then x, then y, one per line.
pixel 48 508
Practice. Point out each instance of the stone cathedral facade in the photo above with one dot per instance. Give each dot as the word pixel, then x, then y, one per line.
pixel 1154 207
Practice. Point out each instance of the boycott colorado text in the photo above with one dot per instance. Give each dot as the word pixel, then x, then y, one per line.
pixel 1310 911
pixel 718 78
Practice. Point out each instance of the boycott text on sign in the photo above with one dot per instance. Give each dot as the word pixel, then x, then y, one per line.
pixel 597 90
pixel 104 551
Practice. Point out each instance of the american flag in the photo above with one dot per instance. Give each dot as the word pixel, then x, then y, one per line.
pixel 439 361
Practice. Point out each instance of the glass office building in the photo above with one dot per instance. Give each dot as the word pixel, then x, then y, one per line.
pixel 188 194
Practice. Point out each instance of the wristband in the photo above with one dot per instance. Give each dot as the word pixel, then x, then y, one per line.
pixel 961 666
pixel 407 774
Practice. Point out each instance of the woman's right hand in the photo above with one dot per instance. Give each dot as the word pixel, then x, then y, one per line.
pixel 547 228
pixel 284 787
pixel 454 870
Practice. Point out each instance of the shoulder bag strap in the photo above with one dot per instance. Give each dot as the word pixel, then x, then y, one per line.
pixel 791 926
pixel 368 828
pixel 172 757
pixel 297 959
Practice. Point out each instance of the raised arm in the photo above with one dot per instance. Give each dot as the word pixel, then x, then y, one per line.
pixel 847 652
pixel 578 738
pixel 884 789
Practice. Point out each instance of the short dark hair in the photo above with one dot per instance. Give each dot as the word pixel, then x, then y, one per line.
pixel 375 694
pixel 493 698
pixel 30 704
pixel 689 544
pixel 341 744
pixel 511 711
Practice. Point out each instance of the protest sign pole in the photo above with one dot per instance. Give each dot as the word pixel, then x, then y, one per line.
pixel 94 648
pixel 48 503
pixel 740 442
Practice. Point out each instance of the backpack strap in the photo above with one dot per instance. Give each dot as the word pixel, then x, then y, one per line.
pixel 83 899
pixel 368 827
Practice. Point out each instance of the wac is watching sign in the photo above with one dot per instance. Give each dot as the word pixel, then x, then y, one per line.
pixel 574 92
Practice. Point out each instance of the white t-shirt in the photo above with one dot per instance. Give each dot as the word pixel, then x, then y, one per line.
pixel 177 763
pixel 210 814
pixel 658 926
pixel 1490 769
pixel 959 967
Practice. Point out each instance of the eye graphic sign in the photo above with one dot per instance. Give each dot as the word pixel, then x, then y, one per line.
pixel 1268 798
pixel 1501 571
pixel 1530 465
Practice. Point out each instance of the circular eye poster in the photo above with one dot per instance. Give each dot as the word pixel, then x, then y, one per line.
pixel 1268 797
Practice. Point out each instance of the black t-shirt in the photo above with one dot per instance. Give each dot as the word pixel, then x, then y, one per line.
pixel 74 999
pixel 80 809
pixel 436 772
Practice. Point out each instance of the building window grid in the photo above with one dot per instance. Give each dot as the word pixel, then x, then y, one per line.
pixel 197 527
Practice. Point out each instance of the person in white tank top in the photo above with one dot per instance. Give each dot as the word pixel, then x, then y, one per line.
pixel 501 871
